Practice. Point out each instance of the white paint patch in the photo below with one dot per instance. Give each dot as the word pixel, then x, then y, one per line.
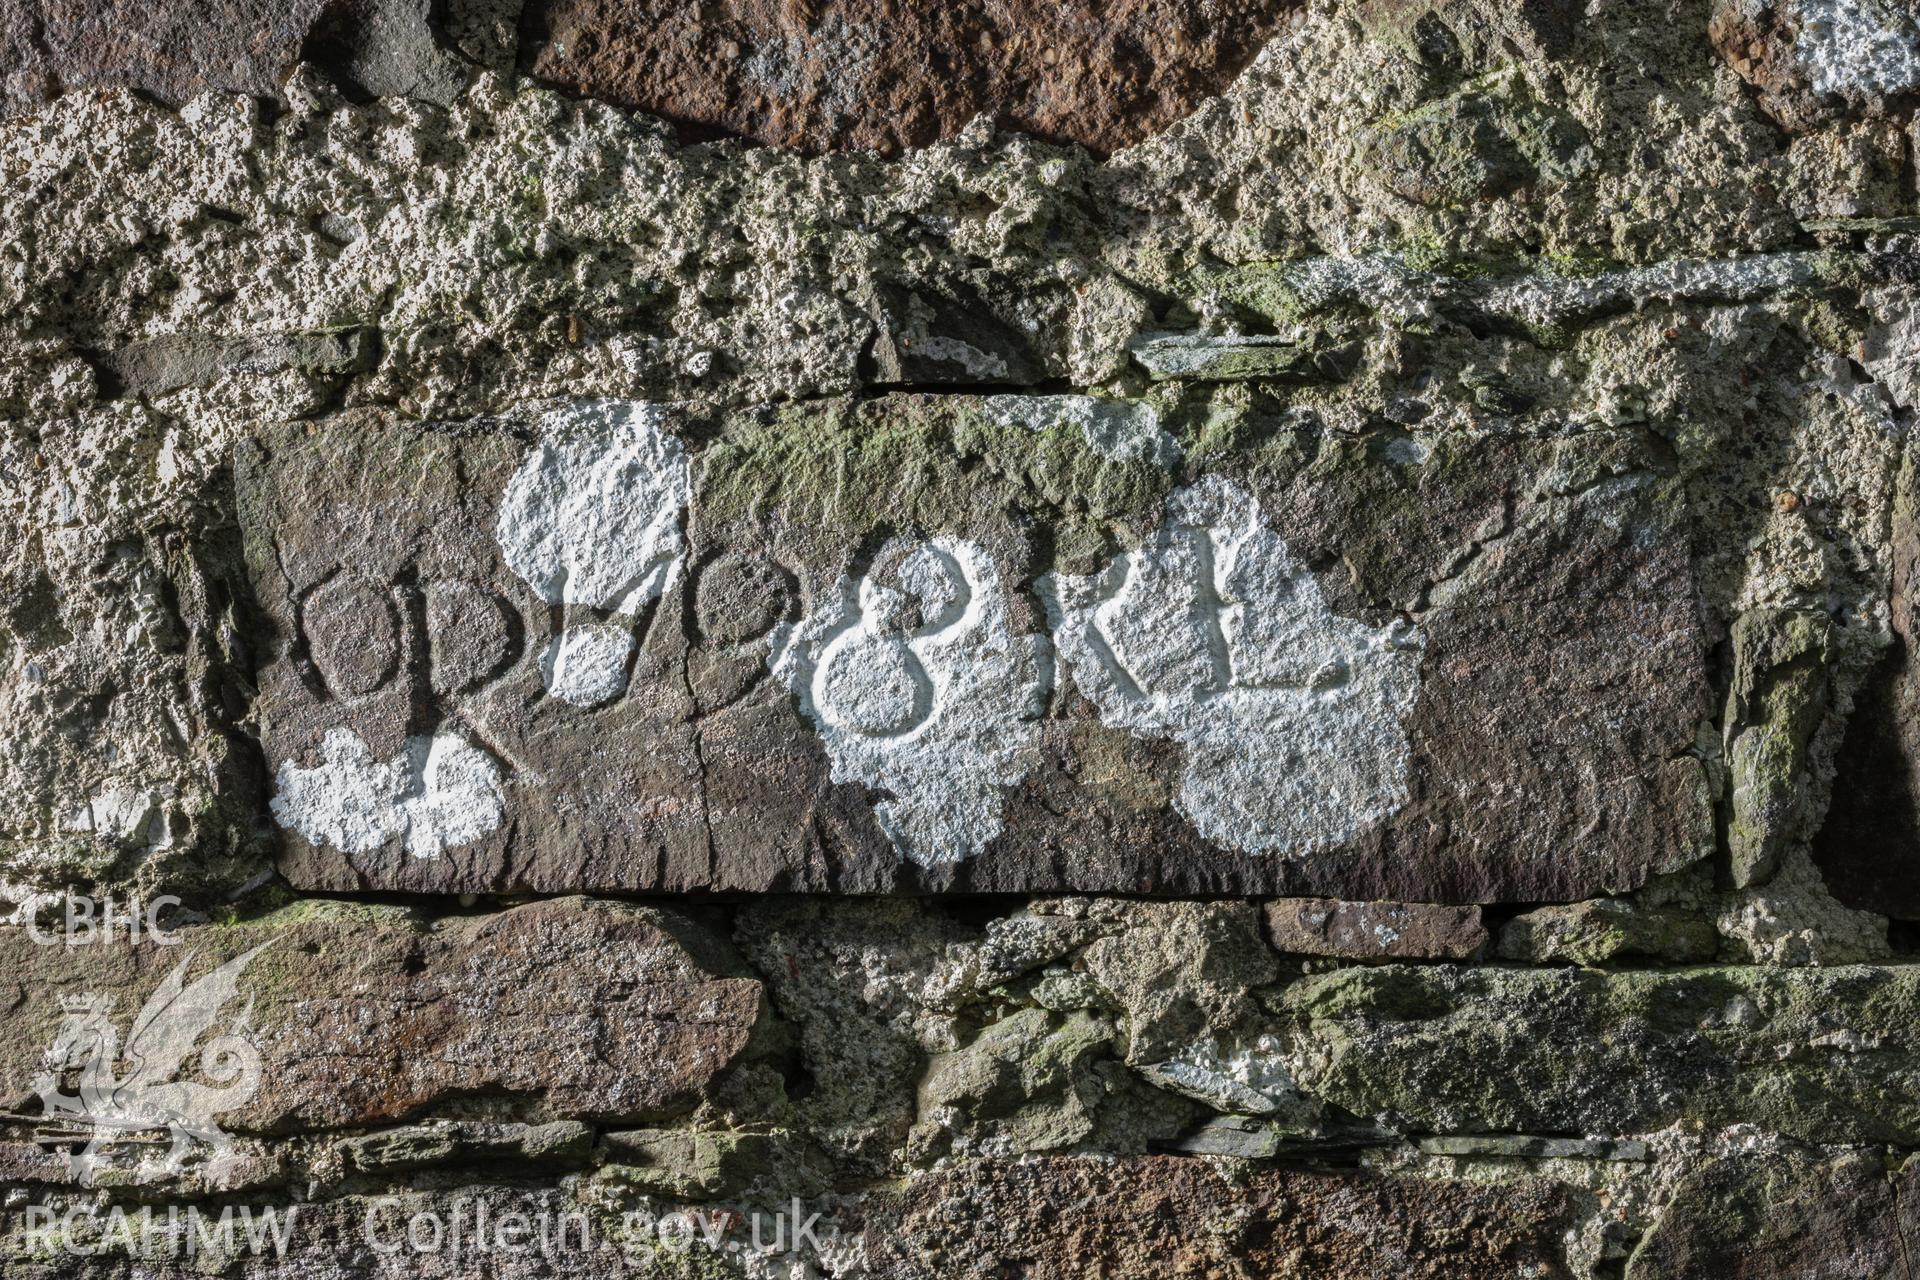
pixel 586 664
pixel 1214 635
pixel 922 691
pixel 594 514
pixel 983 365
pixel 1250 1080
pixel 1113 428
pixel 1858 46
pixel 437 794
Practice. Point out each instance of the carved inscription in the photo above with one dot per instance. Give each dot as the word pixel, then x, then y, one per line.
pixel 477 665
pixel 920 688
pixel 594 517
pixel 440 792
pixel 1211 633
pixel 507 661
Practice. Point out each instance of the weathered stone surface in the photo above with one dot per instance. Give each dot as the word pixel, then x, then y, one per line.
pixel 1514 1147
pixel 1822 1055
pixel 559 1144
pixel 1374 930
pixel 173 50
pixel 378 562
pixel 1412 804
pixel 1227 1136
pixel 388 48
pixel 457 233
pixel 170 50
pixel 1477 32
pixel 1183 972
pixel 1192 357
pixel 847 974
pixel 1023 1084
pixel 1787 1215
pixel 1868 849
pixel 1811 60
pixel 117 657
pixel 1454 464
pixel 693 1164
pixel 1605 930
pixel 881 75
pixel 1778 701
pixel 1471 148
pixel 1057 1218
pixel 617 661
pixel 160 365
pixel 928 338
pixel 1147 1217
pixel 45 1165
pixel 1183 976
pixel 361 1016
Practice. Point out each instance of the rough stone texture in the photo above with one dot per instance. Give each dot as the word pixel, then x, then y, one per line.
pixel 1454 454
pixel 1813 59
pixel 881 74
pixel 851 987
pixel 1785 1214
pixel 1065 1218
pixel 171 50
pixel 1821 1055
pixel 1183 972
pixel 1607 930
pixel 1869 847
pixel 174 50
pixel 1078 1028
pixel 1127 1218
pixel 558 1144
pixel 1374 930
pixel 1026 1083
pixel 1778 701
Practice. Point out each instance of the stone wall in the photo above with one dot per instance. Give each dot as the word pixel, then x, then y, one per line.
pixel 856 639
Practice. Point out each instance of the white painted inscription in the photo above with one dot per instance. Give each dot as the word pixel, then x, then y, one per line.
pixel 921 689
pixel 594 516
pixel 1214 635
pixel 440 792
pixel 586 664
pixel 916 673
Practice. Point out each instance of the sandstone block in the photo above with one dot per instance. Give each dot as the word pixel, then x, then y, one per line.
pixel 1374 930
pixel 881 75
pixel 365 1016
pixel 654 651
